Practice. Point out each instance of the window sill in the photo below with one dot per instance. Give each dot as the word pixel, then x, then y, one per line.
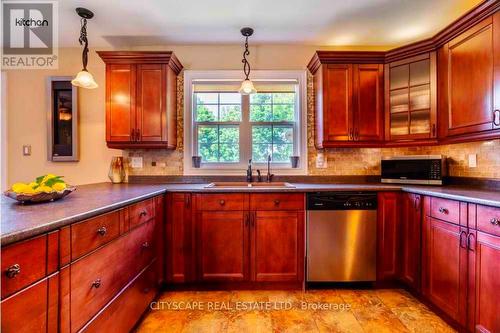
pixel 214 171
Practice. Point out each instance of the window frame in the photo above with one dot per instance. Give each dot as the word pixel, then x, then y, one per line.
pixel 217 168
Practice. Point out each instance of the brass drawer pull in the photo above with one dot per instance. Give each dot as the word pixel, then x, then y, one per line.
pixel 276 202
pixel 102 231
pixel 222 202
pixel 145 245
pixel 443 210
pixel 143 213
pixel 13 271
pixel 495 221
pixel 96 284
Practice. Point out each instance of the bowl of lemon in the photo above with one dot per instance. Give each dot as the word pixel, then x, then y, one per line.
pixel 45 188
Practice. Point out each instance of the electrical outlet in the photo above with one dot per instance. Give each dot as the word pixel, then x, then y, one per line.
pixel 27 150
pixel 472 160
pixel 136 162
pixel 321 160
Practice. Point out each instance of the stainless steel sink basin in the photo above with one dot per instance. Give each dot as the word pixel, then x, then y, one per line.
pixel 249 185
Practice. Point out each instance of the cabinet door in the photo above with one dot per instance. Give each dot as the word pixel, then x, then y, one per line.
pixel 470 80
pixel 151 103
pixel 484 272
pixel 277 245
pixel 223 245
pixel 444 273
pixel 179 238
pixel 120 102
pixel 410 242
pixel 337 112
pixel 387 236
pixel 368 102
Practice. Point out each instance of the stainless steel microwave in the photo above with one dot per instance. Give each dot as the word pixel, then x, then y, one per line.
pixel 414 169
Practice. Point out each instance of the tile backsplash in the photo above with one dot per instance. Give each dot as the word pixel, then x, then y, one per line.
pixel 340 161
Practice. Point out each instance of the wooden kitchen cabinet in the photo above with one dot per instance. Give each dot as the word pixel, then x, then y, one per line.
pixel 277 245
pixel 349 100
pixel 444 271
pixel 388 223
pixel 141 99
pixel 223 245
pixel 470 83
pixel 411 99
pixel 411 228
pixel 179 243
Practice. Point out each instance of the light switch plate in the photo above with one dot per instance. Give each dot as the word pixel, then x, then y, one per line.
pixel 27 150
pixel 321 161
pixel 472 160
pixel 136 162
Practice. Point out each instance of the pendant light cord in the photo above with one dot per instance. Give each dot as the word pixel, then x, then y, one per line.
pixel 83 40
pixel 246 64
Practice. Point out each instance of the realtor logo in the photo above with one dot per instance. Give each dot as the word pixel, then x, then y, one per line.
pixel 29 34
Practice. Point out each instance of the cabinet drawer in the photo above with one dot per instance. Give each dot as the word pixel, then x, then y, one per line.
pixel 141 212
pixel 446 210
pixel 26 311
pixel 277 201
pixel 488 219
pixel 97 278
pixel 90 234
pixel 236 201
pixel 123 312
pixel 23 263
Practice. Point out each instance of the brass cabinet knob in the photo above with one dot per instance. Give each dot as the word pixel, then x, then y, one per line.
pixel 145 245
pixel 143 213
pixel 96 284
pixel 13 271
pixel 222 202
pixel 102 231
pixel 495 221
pixel 443 210
pixel 276 202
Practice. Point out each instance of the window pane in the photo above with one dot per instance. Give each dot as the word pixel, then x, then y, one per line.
pixel 230 113
pixel 230 98
pixel 229 152
pixel 262 134
pixel 282 152
pixel 206 113
pixel 207 98
pixel 208 152
pixel 282 135
pixel 207 134
pixel 261 98
pixel 283 112
pixel 229 135
pixel 260 152
pixel 260 112
pixel 284 98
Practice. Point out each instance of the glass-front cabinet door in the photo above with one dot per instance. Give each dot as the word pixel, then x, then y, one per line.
pixel 411 98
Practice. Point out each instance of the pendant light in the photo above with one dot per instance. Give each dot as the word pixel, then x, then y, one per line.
pixel 247 87
pixel 84 79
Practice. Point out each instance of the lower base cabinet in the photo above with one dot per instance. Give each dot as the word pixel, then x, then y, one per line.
pixel 122 313
pixel 411 230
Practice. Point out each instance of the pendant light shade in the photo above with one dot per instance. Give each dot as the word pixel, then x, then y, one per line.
pixel 84 79
pixel 247 87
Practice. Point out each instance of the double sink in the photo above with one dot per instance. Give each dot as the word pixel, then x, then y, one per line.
pixel 235 185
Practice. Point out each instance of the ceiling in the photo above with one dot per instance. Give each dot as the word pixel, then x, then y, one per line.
pixel 119 23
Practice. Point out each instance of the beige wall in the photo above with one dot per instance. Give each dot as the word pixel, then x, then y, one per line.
pixel 26 120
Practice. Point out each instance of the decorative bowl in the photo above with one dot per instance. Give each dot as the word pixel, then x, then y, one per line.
pixel 39 197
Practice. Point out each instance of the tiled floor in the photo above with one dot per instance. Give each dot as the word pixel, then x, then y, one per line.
pixel 386 310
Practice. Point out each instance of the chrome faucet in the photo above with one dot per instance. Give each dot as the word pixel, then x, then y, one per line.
pixel 269 176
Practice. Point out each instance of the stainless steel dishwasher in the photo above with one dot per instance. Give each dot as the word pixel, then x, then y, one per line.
pixel 341 236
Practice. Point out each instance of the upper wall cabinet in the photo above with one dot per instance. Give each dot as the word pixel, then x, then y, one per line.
pixel 411 98
pixel 141 99
pixel 469 83
pixel 349 95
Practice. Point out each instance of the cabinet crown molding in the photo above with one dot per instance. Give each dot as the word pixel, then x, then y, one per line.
pixel 142 57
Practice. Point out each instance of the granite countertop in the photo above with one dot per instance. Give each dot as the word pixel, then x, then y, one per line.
pixel 20 222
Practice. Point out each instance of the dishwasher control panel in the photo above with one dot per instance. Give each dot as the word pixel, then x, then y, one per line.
pixel 342 201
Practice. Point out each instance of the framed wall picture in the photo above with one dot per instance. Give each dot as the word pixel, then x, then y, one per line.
pixel 62 120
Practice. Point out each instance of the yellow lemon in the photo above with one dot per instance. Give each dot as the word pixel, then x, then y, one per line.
pixel 28 190
pixel 59 187
pixel 47 177
pixel 19 187
pixel 32 184
pixel 45 189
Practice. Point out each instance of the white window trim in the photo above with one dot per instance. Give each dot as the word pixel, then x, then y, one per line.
pixel 221 169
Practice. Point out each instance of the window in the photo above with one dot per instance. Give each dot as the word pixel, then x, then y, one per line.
pixel 227 129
